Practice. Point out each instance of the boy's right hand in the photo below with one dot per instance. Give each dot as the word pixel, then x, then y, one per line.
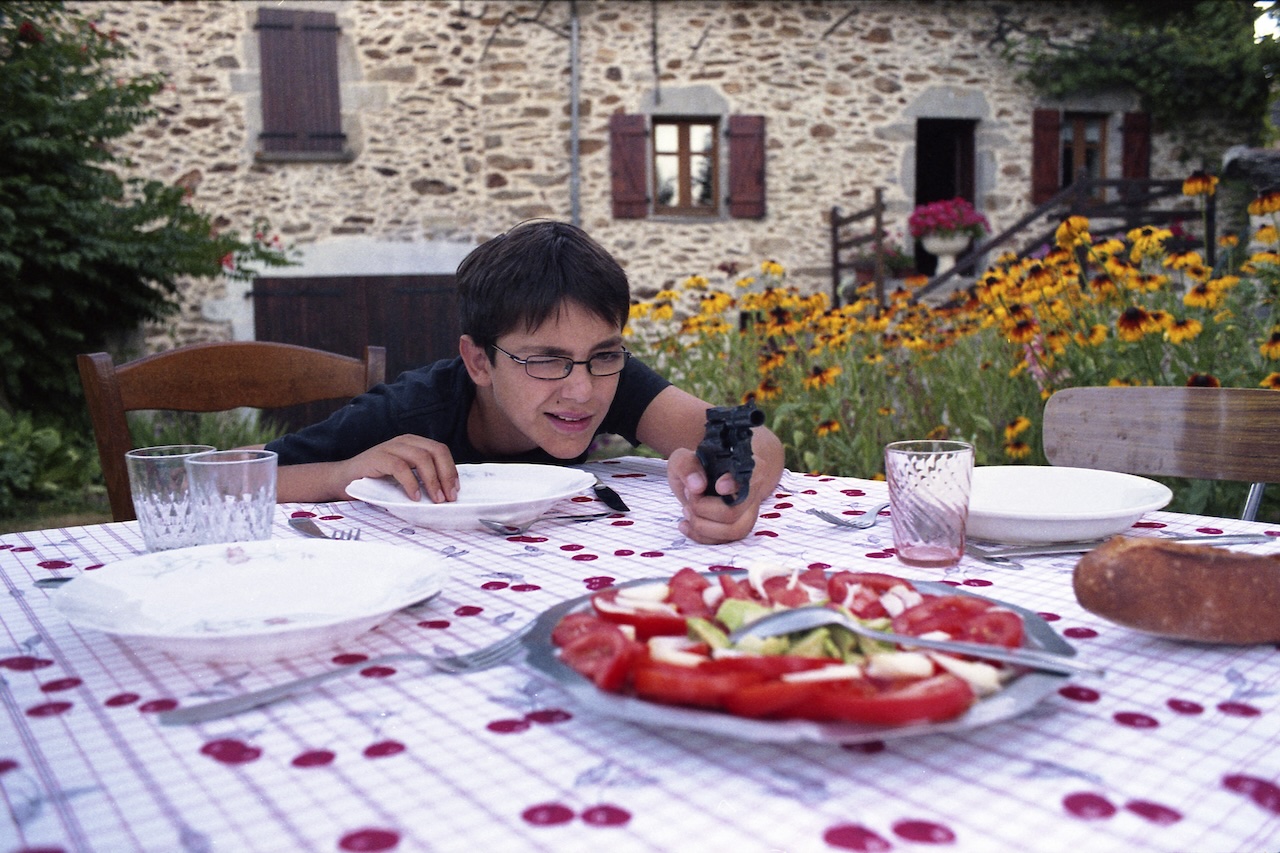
pixel 420 465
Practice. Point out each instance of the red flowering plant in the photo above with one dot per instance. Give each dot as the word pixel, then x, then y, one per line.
pixel 948 218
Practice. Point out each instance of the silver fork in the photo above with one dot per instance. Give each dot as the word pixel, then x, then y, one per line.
pixel 485 658
pixel 868 519
pixel 307 527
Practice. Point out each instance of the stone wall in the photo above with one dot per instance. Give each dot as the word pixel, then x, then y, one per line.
pixel 459 115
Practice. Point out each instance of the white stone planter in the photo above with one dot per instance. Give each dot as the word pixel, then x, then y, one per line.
pixel 946 247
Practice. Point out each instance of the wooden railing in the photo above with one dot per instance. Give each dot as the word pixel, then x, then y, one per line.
pixel 1119 205
pixel 841 261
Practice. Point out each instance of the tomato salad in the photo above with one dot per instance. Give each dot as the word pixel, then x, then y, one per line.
pixel 669 642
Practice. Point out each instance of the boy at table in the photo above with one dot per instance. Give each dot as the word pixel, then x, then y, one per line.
pixel 542 370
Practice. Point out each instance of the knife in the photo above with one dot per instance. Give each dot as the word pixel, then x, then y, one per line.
pixel 1081 547
pixel 610 497
pixel 307 527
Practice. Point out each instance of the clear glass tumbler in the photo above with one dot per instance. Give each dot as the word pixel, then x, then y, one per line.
pixel 161 500
pixel 233 494
pixel 929 486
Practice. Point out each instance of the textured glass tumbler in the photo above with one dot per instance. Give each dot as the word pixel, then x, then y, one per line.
pixel 233 494
pixel 158 485
pixel 929 485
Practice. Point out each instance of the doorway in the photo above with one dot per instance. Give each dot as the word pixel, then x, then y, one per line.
pixel 944 168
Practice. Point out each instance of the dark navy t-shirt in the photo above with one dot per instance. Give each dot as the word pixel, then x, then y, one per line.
pixel 433 402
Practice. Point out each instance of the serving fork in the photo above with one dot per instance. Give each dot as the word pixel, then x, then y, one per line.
pixel 805 618
pixel 488 657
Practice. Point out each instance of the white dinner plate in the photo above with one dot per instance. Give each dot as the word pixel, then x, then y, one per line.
pixel 1039 504
pixel 1017 697
pixel 510 493
pixel 248 602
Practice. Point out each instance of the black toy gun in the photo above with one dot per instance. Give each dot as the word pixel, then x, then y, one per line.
pixel 726 448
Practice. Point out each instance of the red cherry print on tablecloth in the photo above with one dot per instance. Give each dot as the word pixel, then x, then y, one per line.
pixel 1263 792
pixel 156 706
pixel 120 700
pixel 870 747
pixel 1080 633
pixel 851 836
pixel 653 554
pixel 1135 720
pixel 598 582
pixel 494 585
pixel 53 564
pixel 60 684
pixel 1154 812
pixel 525 587
pixel 314 758
pixel 369 841
pixel 976 582
pixel 1088 806
pixel 7 764
pixel 437 624
pixel 49 709
pixel 924 831
pixel 1049 617
pixel 382 749
pixel 1185 706
pixel 1076 693
pixel 1149 525
pixel 24 663
pixel 1210 531
pixel 1238 709
pixel 509 726
pixel 231 751
pixel 624 552
pixel 468 610
pixel 547 814
pixel 849 493
pixel 605 815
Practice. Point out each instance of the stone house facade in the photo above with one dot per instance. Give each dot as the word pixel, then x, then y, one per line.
pixel 450 120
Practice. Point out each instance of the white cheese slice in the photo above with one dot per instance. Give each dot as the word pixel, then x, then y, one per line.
pixel 982 676
pixel 836 672
pixel 899 665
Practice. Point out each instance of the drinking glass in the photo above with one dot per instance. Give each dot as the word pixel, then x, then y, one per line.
pixel 929 486
pixel 161 500
pixel 233 494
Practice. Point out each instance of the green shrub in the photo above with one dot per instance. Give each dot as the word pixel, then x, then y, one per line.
pixel 38 463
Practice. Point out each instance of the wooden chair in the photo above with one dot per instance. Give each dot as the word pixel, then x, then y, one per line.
pixel 1196 433
pixel 210 377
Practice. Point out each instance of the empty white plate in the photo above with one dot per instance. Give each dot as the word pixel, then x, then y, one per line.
pixel 510 493
pixel 1038 504
pixel 248 602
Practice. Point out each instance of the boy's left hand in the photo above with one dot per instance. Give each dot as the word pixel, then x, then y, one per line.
pixel 707 518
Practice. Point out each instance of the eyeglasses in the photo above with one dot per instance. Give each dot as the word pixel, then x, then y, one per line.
pixel 560 366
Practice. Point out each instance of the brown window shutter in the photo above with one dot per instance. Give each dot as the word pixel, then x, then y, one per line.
pixel 1046 155
pixel 628 161
pixel 746 167
pixel 1136 131
pixel 299 55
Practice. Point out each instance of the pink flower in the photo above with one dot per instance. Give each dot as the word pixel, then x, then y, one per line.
pixel 955 216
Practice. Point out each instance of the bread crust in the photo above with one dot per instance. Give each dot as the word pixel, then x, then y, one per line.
pixel 1182 591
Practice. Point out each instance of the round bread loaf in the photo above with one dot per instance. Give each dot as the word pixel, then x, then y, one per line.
pixel 1187 592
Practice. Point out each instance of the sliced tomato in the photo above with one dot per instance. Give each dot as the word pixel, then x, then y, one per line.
pixel 996 626
pixel 574 625
pixel 686 593
pixel 948 613
pixel 897 703
pixel 604 655
pixel 772 699
pixel 780 590
pixel 673 684
pixel 815 578
pixel 735 588
pixel 647 623
pixel 861 591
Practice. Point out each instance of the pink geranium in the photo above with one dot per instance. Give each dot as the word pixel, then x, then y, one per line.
pixel 947 218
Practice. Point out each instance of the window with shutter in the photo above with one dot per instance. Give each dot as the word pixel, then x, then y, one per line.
pixel 676 166
pixel 301 112
pixel 1046 153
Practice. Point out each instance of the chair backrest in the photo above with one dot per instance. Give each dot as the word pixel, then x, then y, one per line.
pixel 1170 431
pixel 211 377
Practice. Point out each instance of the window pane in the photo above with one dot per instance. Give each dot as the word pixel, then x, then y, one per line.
pixel 701 138
pixel 702 181
pixel 666 138
pixel 667 175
